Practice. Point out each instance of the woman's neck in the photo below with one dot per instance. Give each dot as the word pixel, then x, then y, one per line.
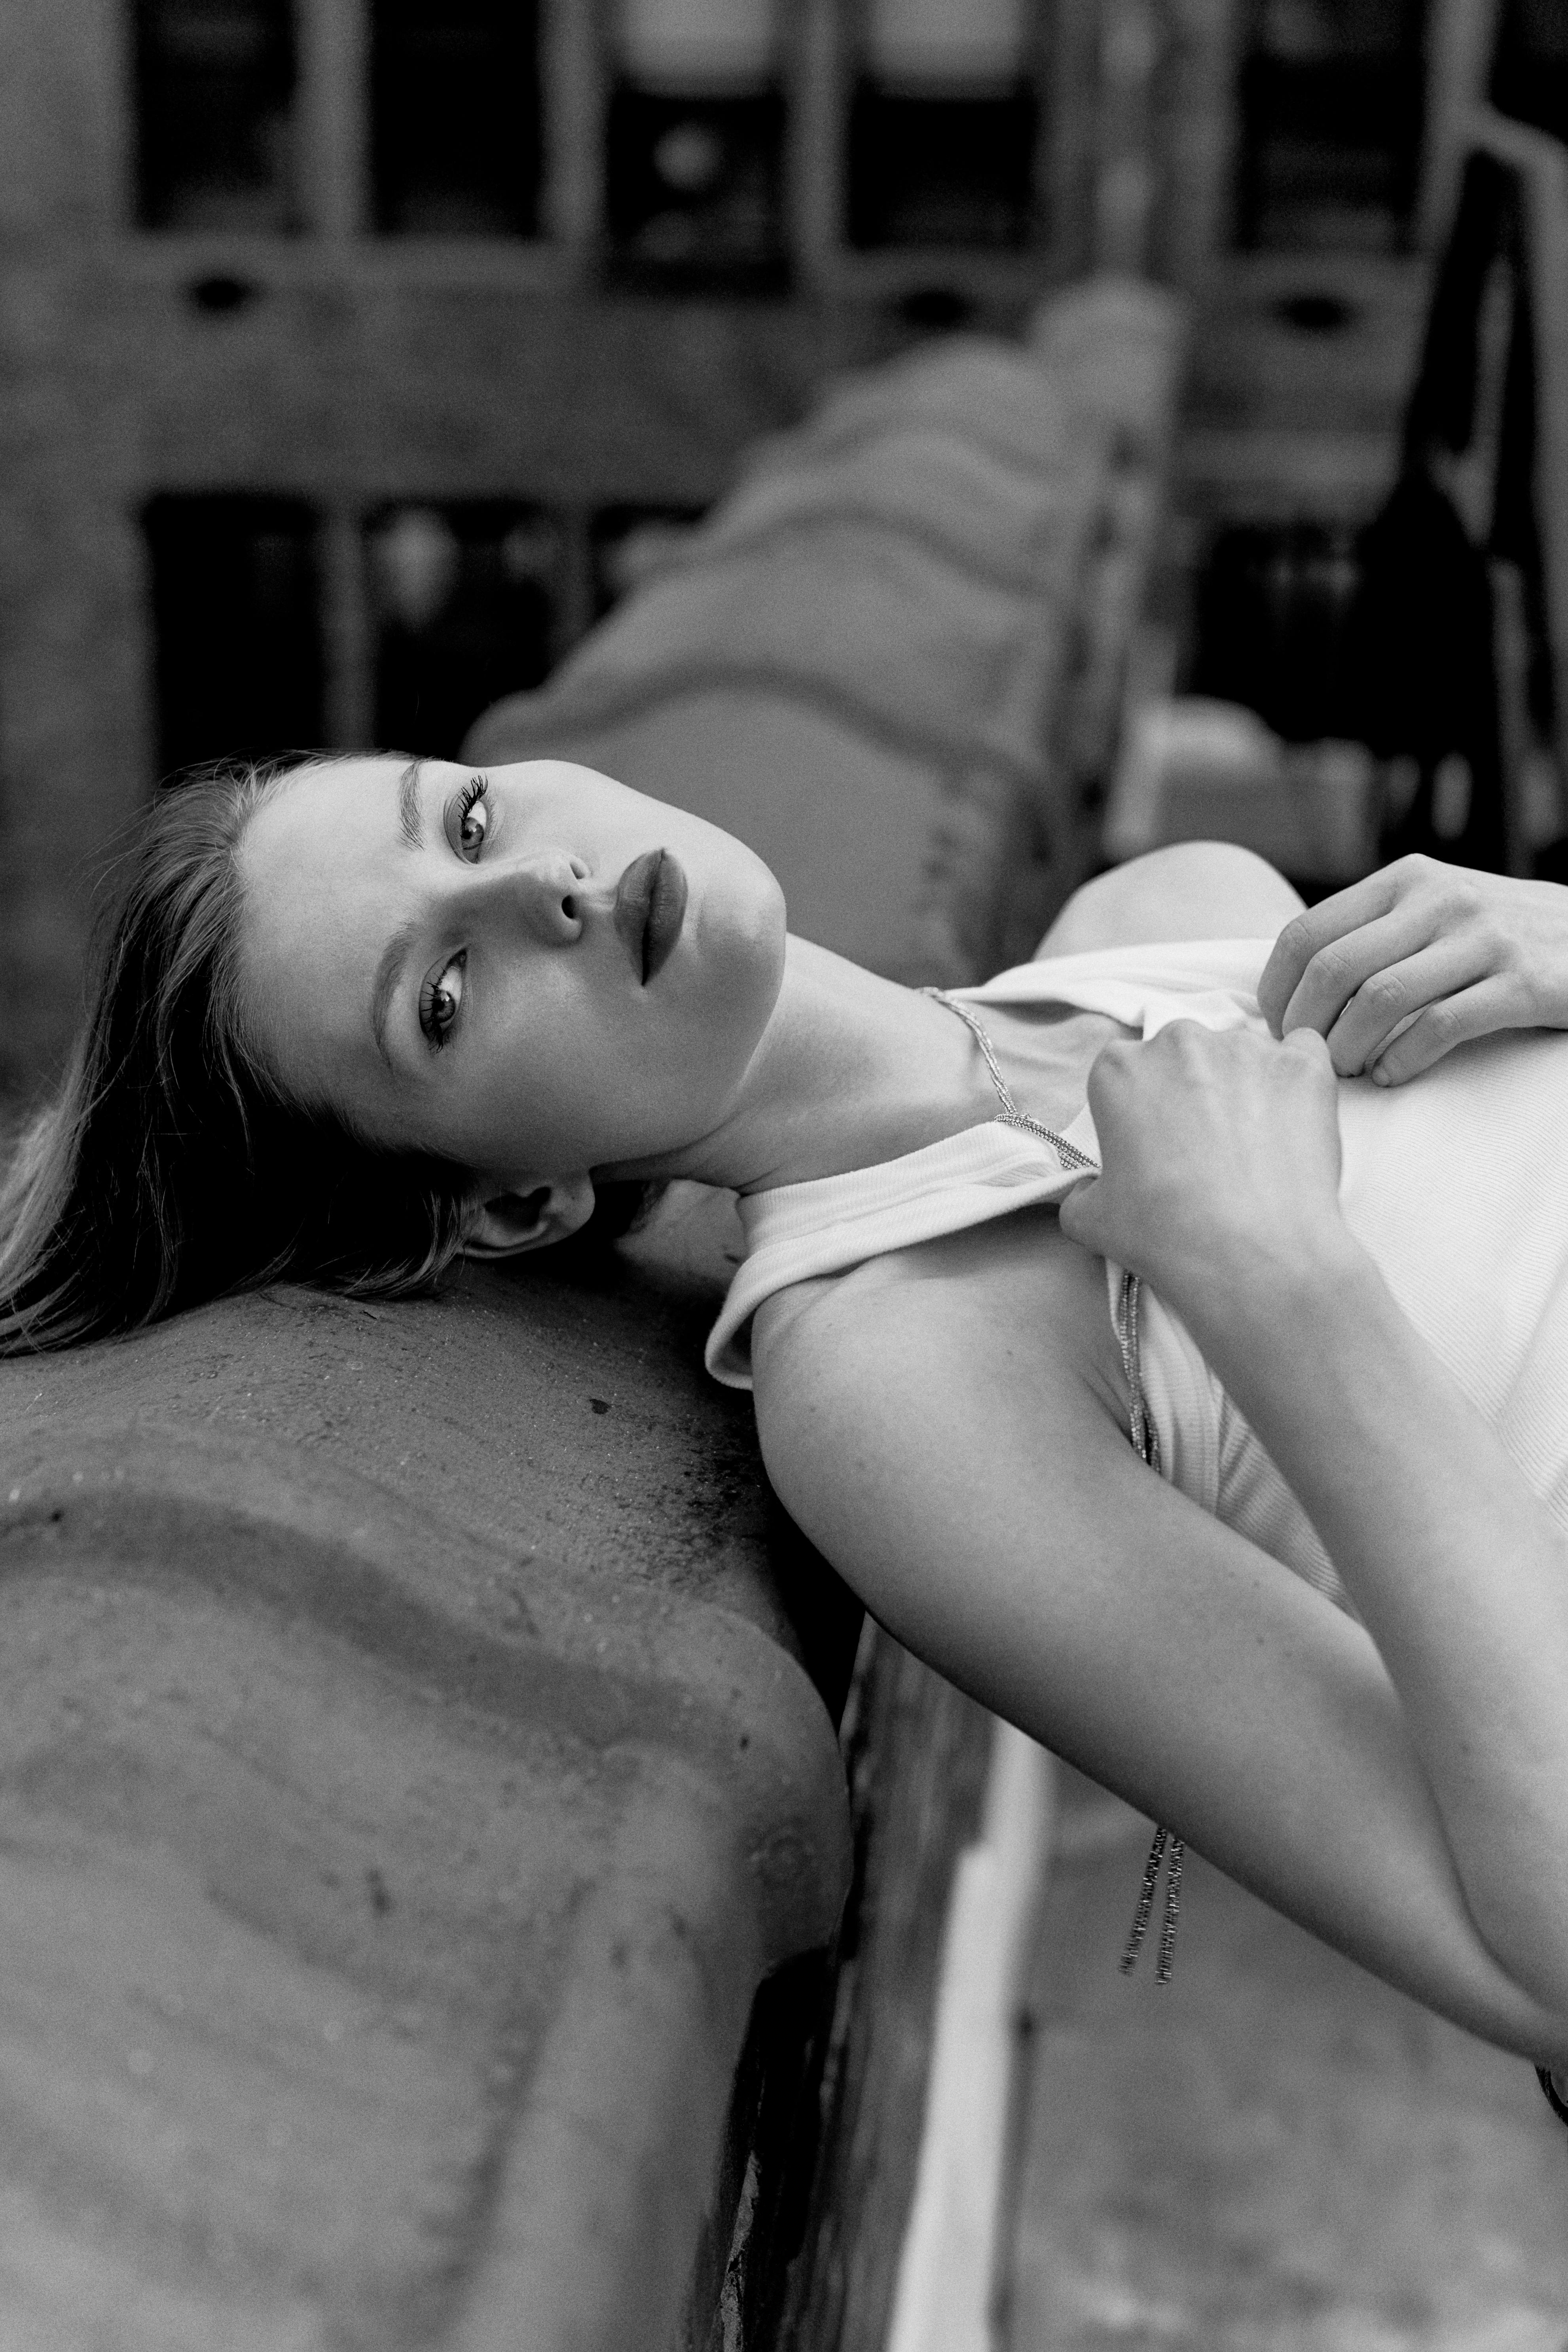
pixel 852 1069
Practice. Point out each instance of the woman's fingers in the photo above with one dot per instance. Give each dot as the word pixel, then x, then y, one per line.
pixel 1310 1047
pixel 1311 932
pixel 1355 966
pixel 1080 1217
pixel 1344 964
pixel 1216 1147
pixel 1395 993
pixel 1438 1028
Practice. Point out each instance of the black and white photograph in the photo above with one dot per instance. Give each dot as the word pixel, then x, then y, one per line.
pixel 783 1239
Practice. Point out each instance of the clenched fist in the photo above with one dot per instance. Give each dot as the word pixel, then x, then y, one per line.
pixel 1219 1164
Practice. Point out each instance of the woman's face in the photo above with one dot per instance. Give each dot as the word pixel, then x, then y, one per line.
pixel 531 970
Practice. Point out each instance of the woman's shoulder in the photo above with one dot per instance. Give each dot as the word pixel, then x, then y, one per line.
pixel 991 1309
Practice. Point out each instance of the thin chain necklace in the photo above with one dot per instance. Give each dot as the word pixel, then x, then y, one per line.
pixel 1145 1437
pixel 1069 1153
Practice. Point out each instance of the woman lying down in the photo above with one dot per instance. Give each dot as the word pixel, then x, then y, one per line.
pixel 1167 1339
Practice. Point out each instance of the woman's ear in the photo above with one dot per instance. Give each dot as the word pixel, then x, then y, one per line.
pixel 530 1217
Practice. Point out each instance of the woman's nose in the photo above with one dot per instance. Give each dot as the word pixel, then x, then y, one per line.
pixel 547 888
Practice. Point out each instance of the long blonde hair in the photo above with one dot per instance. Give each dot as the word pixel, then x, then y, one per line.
pixel 170 1169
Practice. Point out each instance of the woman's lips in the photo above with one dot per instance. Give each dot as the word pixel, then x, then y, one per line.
pixel 650 907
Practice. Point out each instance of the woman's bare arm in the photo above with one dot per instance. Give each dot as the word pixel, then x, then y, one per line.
pixel 946 1426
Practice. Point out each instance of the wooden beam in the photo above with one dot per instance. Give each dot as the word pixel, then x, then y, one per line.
pixel 954 2255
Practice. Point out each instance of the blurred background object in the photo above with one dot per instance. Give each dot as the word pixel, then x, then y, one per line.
pixel 893 657
pixel 695 143
pixel 1332 101
pixel 463 598
pixel 1197 769
pixel 358 356
pixel 214 93
pixel 944 125
pixel 455 116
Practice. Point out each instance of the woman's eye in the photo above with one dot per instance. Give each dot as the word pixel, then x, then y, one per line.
pixel 473 818
pixel 440 1000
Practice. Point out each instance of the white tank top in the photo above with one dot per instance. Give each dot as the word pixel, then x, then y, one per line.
pixel 1456 1184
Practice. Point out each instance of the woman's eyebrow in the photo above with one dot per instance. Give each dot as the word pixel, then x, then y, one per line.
pixel 388 972
pixel 410 822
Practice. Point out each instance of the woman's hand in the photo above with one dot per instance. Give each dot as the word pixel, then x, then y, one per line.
pixel 1220 1167
pixel 1399 969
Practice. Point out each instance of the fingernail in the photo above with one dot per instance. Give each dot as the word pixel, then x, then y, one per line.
pixel 1380 1077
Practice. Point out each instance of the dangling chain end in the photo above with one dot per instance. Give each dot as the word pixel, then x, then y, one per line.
pixel 1172 1852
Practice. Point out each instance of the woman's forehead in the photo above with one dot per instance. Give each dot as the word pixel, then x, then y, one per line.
pixel 318 790
pixel 344 810
pixel 320 858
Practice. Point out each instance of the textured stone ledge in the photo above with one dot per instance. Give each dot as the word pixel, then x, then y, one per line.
pixel 410 1773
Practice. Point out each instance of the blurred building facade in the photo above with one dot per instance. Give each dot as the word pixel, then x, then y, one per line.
pixel 352 350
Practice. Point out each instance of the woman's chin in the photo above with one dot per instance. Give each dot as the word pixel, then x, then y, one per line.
pixel 735 931
pixel 771 930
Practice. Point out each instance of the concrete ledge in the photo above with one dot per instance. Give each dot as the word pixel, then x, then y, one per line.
pixel 409 1775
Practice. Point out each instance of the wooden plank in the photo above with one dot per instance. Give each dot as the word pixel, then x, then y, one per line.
pixel 948 2269
pixel 918 1753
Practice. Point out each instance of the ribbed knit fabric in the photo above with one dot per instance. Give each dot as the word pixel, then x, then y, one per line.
pixel 1453 1183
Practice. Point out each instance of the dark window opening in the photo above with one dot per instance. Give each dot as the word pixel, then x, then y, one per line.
pixel 215 87
pixel 219 296
pixel 631 543
pixel 1332 106
pixel 1383 636
pixel 455 116
pixel 1274 606
pixel 940 171
pixel 1530 67
pixel 465 601
pixel 935 309
pixel 238 645
pixel 1317 311
pixel 694 188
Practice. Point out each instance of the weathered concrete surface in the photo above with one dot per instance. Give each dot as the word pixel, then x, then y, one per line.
pixel 408 1774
